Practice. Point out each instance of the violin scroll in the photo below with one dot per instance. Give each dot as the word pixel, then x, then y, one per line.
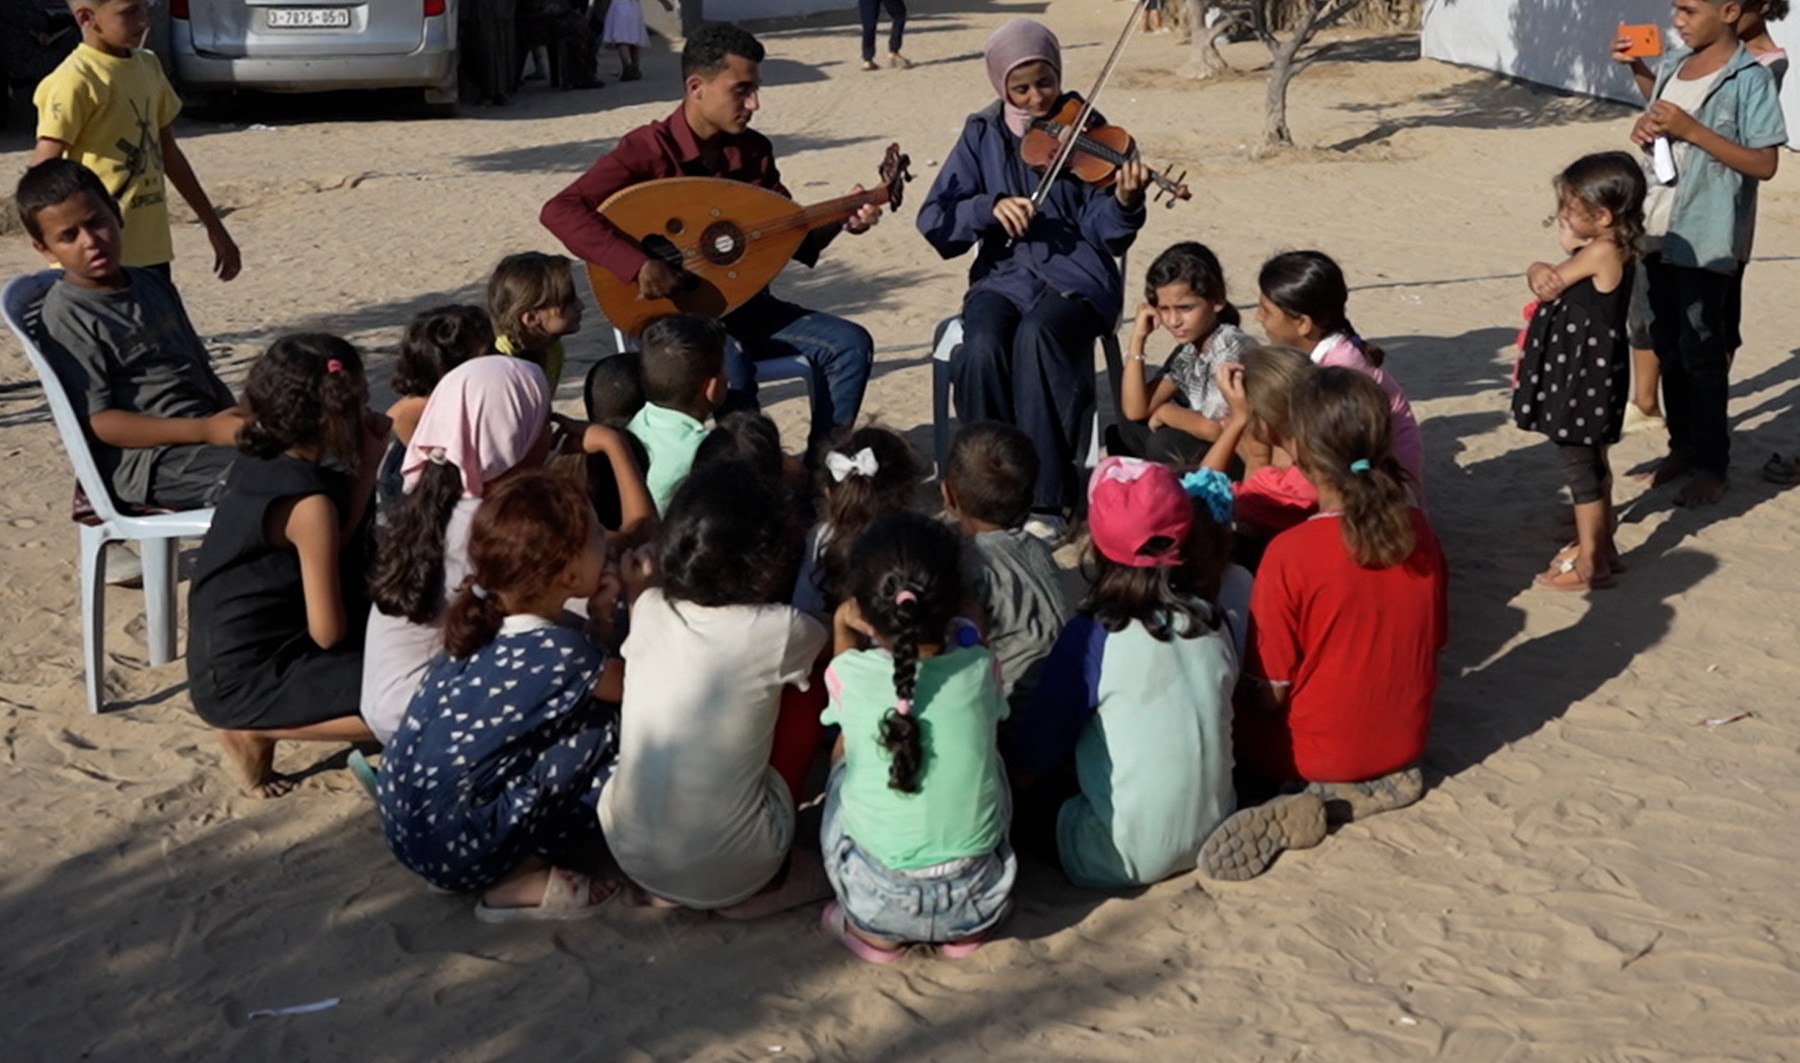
pixel 1169 189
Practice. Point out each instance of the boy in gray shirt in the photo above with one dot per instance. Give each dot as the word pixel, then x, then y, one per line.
pixel 163 425
pixel 988 485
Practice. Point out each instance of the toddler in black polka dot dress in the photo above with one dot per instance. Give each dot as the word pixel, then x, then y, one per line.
pixel 1575 370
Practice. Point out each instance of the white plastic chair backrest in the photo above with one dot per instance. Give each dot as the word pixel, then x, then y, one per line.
pixel 23 301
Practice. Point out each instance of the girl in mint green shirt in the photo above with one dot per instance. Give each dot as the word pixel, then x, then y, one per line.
pixel 917 809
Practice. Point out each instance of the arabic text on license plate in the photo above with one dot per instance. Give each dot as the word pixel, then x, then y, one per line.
pixel 307 18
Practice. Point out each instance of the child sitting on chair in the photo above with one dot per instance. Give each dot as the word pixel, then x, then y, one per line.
pixel 684 382
pixel 164 426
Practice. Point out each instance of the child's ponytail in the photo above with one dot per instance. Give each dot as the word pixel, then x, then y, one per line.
pixel 1342 430
pixel 899 727
pixel 408 575
pixel 306 390
pixel 908 585
pixel 473 620
pixel 528 530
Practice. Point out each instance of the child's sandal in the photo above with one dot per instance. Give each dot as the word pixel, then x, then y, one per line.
pixel 567 895
pixel 1563 576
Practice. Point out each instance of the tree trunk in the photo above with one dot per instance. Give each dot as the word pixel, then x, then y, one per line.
pixel 1204 60
pixel 1275 124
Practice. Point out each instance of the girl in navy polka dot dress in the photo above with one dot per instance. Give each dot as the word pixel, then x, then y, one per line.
pixel 1575 373
pixel 490 782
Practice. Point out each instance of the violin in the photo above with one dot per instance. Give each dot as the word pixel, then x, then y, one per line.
pixel 1098 151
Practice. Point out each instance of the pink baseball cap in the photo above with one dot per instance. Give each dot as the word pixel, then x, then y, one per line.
pixel 1132 503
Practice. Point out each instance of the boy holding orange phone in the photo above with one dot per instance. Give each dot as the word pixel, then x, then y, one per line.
pixel 1638 42
pixel 1700 217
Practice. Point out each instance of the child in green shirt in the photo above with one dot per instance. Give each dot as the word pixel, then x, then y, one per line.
pixel 917 809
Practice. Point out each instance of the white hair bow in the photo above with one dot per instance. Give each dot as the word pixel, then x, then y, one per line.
pixel 842 467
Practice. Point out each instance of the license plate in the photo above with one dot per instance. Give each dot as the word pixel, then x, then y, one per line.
pixel 308 18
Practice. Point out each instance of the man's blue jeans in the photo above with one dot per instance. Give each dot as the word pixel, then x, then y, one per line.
pixel 840 353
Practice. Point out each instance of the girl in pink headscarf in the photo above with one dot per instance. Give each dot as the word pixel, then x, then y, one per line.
pixel 487 418
pixel 1045 283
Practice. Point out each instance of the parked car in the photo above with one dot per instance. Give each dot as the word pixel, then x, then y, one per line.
pixel 316 46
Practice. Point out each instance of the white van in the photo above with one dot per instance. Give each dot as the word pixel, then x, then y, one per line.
pixel 316 46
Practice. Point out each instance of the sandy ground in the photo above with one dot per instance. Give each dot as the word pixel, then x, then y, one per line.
pixel 1591 876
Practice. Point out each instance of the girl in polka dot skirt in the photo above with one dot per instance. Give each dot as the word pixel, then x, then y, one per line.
pixel 490 783
pixel 1575 372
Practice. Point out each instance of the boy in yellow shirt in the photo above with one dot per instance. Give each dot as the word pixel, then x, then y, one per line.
pixel 109 107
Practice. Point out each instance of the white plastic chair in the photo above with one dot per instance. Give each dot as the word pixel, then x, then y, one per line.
pixel 948 338
pixel 156 535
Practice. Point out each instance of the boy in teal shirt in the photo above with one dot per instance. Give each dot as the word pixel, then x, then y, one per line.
pixel 684 382
pixel 1717 110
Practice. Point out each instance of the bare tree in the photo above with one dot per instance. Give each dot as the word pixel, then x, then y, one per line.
pixel 1204 60
pixel 1304 19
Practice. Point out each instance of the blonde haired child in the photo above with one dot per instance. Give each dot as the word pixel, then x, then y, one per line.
pixel 532 300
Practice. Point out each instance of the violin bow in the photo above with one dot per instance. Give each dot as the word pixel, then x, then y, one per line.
pixel 1067 151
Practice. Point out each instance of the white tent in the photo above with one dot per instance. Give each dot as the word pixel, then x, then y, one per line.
pixel 1564 43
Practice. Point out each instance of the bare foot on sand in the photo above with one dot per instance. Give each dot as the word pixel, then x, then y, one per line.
pixel 1704 489
pixel 1668 470
pixel 252 757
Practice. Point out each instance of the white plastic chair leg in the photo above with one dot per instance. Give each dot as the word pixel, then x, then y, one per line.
pixel 93 611
pixel 158 556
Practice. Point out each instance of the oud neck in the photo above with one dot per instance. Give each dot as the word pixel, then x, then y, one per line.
pixel 834 211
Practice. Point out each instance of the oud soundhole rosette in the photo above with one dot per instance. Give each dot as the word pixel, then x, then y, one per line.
pixel 722 243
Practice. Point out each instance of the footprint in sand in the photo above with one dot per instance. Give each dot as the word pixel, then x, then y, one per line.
pixel 24 522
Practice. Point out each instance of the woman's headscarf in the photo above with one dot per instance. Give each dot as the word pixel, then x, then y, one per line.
pixel 483 417
pixel 1015 43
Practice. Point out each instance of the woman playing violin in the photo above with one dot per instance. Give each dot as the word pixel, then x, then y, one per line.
pixel 1045 283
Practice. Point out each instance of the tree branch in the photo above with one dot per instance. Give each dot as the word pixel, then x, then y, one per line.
pixel 1303 65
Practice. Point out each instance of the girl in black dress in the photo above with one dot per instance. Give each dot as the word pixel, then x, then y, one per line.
pixel 277 609
pixel 1575 370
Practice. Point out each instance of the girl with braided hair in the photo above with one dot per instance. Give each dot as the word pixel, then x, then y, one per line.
pixel 917 809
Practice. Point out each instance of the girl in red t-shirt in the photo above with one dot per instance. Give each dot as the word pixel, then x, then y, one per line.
pixel 1347 615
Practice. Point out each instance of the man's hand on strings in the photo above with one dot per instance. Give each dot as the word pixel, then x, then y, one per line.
pixel 657 279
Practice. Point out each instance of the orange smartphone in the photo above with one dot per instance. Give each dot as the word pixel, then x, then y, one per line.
pixel 1646 41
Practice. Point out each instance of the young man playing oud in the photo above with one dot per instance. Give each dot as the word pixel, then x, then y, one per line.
pixel 709 135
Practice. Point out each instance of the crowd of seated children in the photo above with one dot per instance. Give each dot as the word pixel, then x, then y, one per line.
pixel 1184 715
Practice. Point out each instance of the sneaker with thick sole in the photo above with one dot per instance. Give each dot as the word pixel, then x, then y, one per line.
pixel 1347 802
pixel 1250 839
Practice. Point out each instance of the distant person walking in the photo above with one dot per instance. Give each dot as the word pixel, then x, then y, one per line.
pixel 896 10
